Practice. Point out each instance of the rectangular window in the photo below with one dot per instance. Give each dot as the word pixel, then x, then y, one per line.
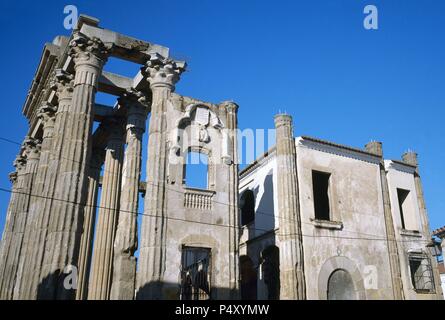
pixel 402 196
pixel 421 274
pixel 320 182
pixel 195 273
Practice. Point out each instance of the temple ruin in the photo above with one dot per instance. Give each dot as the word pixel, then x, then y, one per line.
pixel 309 219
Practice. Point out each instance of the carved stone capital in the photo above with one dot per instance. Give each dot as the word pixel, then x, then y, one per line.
pixel 163 72
pixel 62 84
pixel 47 113
pixel 137 106
pixel 90 51
pixel 20 162
pixel 13 177
pixel 31 148
pixel 230 106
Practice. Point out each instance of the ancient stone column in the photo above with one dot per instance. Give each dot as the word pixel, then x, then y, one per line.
pixel 86 243
pixel 125 244
pixel 410 158
pixel 66 221
pixel 394 259
pixel 9 222
pixel 41 206
pixel 162 75
pixel 290 240
pixel 26 284
pixel 101 274
pixel 230 110
pixel 17 178
pixel 14 267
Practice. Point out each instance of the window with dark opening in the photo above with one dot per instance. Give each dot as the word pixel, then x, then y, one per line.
pixel 402 196
pixel 195 273
pixel 247 204
pixel 320 182
pixel 196 170
pixel 271 271
pixel 421 273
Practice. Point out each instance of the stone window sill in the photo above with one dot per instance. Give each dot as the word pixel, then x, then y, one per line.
pixel 411 233
pixel 327 224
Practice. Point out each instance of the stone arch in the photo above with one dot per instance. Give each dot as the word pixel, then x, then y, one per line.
pixel 334 264
pixel 341 286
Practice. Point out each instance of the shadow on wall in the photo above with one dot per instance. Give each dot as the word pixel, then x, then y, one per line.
pixel 264 216
pixel 172 291
pixel 52 288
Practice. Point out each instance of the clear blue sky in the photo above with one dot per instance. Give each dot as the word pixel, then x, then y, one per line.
pixel 312 59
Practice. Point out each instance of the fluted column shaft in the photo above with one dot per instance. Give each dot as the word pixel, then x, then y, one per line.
pixel 292 280
pixel 231 110
pixel 101 275
pixel 66 220
pixel 14 266
pixel 162 75
pixel 125 244
pixel 11 221
pixel 86 243
pixel 25 289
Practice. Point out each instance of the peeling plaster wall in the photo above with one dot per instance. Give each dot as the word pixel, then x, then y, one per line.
pixel 356 202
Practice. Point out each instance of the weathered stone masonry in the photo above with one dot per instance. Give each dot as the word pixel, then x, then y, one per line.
pixel 289 226
pixel 64 166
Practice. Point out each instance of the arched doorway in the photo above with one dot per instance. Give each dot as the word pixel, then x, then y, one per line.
pixel 248 279
pixel 341 286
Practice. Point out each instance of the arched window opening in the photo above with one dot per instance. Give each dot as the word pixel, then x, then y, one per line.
pixel 341 286
pixel 247 205
pixel 196 170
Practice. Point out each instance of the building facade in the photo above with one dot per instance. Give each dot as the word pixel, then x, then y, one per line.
pixel 359 220
pixel 308 220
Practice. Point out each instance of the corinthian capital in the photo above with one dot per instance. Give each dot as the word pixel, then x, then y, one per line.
pixel 230 106
pixel 20 162
pixel 62 83
pixel 137 105
pixel 31 147
pixel 13 177
pixel 46 112
pixel 162 71
pixel 85 50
